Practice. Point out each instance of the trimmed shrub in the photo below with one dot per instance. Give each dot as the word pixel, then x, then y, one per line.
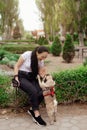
pixel 51 38
pixel 5 98
pixel 42 41
pixel 16 32
pixel 85 62
pixel 8 58
pixel 8 94
pixel 21 41
pixel 45 42
pixel 68 49
pixel 19 49
pixel 71 85
pixel 75 37
pixel 85 43
pixel 2 54
pixel 56 47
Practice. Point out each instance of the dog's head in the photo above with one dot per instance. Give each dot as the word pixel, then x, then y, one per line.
pixel 47 81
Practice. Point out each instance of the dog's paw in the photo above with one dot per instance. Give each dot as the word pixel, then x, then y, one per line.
pixel 54 120
pixel 38 76
pixel 55 102
pixel 51 122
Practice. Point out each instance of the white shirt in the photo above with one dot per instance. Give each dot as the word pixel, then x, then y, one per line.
pixel 27 62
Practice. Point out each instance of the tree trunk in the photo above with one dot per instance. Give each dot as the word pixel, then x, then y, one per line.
pixel 81 39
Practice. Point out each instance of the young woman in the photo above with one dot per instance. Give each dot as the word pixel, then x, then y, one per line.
pixel 26 70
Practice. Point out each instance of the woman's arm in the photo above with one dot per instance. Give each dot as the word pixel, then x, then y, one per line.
pixel 17 65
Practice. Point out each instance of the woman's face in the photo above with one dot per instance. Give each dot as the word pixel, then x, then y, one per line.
pixel 42 56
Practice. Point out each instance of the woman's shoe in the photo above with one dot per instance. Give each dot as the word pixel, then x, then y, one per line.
pixel 39 121
pixel 30 112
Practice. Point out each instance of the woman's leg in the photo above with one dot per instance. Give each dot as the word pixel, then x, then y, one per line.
pixel 40 92
pixel 33 90
pixel 40 96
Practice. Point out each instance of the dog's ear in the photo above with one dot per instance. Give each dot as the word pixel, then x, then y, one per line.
pixel 45 80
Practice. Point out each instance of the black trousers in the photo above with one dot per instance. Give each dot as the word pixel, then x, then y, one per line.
pixel 30 85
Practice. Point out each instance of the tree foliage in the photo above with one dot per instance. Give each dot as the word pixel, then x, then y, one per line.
pixel 9 15
pixel 16 32
pixel 49 17
pixel 71 14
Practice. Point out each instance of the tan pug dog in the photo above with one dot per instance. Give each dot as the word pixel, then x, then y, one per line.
pixel 47 84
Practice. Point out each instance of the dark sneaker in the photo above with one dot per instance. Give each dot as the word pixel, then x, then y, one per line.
pixel 39 121
pixel 30 112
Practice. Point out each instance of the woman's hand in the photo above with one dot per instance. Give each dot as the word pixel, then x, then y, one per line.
pixel 15 83
pixel 16 68
pixel 16 78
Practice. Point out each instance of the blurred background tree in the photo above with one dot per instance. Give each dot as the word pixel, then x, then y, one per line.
pixel 64 16
pixel 9 16
pixel 58 17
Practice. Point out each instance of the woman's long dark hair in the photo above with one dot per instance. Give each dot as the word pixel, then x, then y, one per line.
pixel 34 60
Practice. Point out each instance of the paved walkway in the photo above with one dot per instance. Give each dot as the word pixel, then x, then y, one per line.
pixel 69 117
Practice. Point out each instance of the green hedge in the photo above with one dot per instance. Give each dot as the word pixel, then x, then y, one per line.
pixel 8 58
pixel 20 48
pixel 5 93
pixel 8 94
pixel 19 41
pixel 71 85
